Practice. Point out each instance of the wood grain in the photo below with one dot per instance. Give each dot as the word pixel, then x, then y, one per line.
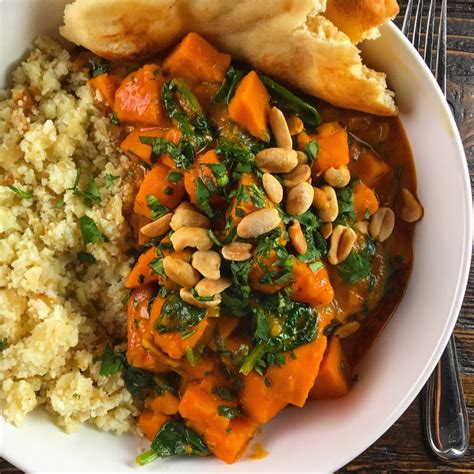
pixel 403 447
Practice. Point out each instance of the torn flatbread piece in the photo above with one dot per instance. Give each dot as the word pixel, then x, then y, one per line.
pixel 287 39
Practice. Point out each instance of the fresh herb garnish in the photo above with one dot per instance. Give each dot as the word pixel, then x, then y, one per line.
pixel 91 194
pixel 89 230
pixel 178 316
pixel 202 198
pixel 229 412
pixel 174 177
pixel 345 198
pixel 109 180
pixel 174 438
pixel 99 66
pixel 21 194
pixel 111 362
pixel 157 209
pixel 3 344
pixel 181 154
pixel 358 266
pixel 311 149
pixel 59 204
pixel 223 393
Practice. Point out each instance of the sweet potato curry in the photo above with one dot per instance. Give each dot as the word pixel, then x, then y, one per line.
pixel 273 241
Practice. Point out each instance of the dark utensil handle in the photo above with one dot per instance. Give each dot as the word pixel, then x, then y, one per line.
pixel 446 421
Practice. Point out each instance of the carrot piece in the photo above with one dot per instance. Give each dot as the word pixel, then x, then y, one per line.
pixel 138 99
pixel 333 147
pixel 295 378
pixel 365 201
pixel 172 343
pixel 156 184
pixel 151 422
pixel 260 402
pixel 250 106
pixel 165 403
pixel 138 151
pixel 196 60
pixel 106 84
pixel 313 288
pixel 333 380
pixel 137 327
pixel 369 168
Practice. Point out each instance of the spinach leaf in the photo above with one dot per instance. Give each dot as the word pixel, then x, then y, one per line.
pixel 178 316
pixel 229 85
pixel 157 209
pixel 174 438
pixel 99 66
pixel 138 381
pixel 21 194
pixel 291 104
pixel 184 110
pixel 298 325
pixel 358 266
pixel 182 154
pixel 229 412
pixel 89 230
pixel 86 257
pixel 223 393
pixel 345 198
pixel 111 362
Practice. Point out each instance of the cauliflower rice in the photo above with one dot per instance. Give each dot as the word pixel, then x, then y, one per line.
pixel 56 313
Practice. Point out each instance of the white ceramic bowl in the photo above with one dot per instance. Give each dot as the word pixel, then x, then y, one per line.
pixel 326 435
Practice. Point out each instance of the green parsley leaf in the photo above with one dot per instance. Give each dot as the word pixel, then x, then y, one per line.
pixel 229 412
pixel 357 266
pixel 21 194
pixel 89 230
pixel 174 177
pixel 3 344
pixel 59 204
pixel 109 180
pixel 311 149
pixel 202 198
pixel 157 209
pixel 111 362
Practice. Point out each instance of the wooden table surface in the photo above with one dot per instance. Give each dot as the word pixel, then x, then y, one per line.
pixel 403 448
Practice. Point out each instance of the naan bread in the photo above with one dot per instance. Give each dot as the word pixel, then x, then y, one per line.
pixel 287 39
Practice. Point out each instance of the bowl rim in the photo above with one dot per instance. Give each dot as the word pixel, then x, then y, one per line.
pixel 461 283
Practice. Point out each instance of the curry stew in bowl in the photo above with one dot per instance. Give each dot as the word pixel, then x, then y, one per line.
pixel 273 242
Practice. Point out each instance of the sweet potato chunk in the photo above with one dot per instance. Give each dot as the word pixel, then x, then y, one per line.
pixel 250 106
pixel 313 288
pixel 333 147
pixel 365 201
pixel 151 422
pixel 196 60
pixel 333 380
pixel 138 99
pixel 106 84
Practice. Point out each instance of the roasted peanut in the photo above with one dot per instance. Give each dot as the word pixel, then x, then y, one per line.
pixel 302 157
pixel 187 297
pixel 342 241
pixel 295 124
pixel 326 230
pixel 158 227
pixel 297 238
pixel 347 329
pixel 321 200
pixel 272 187
pixel 196 237
pixel 300 174
pixel 237 251
pixel 207 263
pixel 362 227
pixel 185 205
pixel 280 128
pixel 207 287
pixel 412 210
pixel 330 214
pixel 189 218
pixel 258 223
pixel 382 224
pixel 276 160
pixel 337 177
pixel 299 199
pixel 180 272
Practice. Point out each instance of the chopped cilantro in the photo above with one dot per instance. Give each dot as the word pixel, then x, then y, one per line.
pixel 229 412
pixel 21 194
pixel 89 230
pixel 109 180
pixel 157 209
pixel 86 257
pixel 311 149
